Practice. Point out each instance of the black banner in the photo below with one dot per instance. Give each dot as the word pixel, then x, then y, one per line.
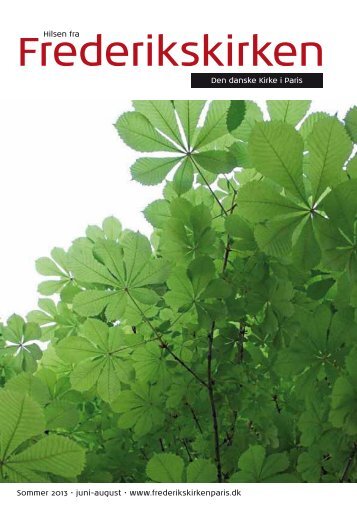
pixel 254 80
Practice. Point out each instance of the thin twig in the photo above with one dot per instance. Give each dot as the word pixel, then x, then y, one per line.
pixel 276 401
pixel 195 418
pixel 132 346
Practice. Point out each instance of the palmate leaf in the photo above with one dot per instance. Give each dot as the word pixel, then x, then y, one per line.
pixel 157 212
pixel 309 122
pixel 322 349
pixel 111 229
pixel 201 470
pixel 275 237
pixel 27 383
pixel 189 112
pixel 280 295
pixel 216 161
pixel 160 113
pixel 61 414
pixel 184 176
pixel 240 151
pixel 21 418
pixel 258 201
pixel 165 467
pixel 126 367
pixel 288 111
pixel 252 115
pixel 215 125
pixel 312 421
pixel 198 291
pixel 236 114
pixel 124 273
pixel 155 127
pixel 255 466
pixel 337 234
pixel 341 206
pixel 283 224
pixel 318 289
pixel 276 150
pixel 337 249
pixel 181 293
pixel 53 454
pixel 19 332
pixel 188 233
pixel 140 408
pixel 150 364
pixel 138 133
pixel 151 171
pixel 56 267
pixel 329 147
pixel 344 406
pixel 168 467
pixel 239 228
pixel 343 412
pixel 20 348
pixel 56 320
pixel 309 464
pixel 97 359
pixel 188 286
pixel 306 250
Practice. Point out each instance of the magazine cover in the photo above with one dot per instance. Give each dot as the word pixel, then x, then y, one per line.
pixel 178 275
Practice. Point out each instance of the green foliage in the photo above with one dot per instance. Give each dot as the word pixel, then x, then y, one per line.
pixel 167 467
pixel 256 467
pixel 351 123
pixel 21 351
pixel 22 419
pixel 223 348
pixel 173 126
pixel 97 359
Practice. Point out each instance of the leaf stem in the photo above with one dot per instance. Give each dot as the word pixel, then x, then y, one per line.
pixel 208 185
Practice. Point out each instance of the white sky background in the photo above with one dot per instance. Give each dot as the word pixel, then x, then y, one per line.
pixel 62 164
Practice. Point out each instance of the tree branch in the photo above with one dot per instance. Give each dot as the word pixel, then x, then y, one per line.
pixel 187 449
pixel 228 244
pixel 240 342
pixel 348 466
pixel 182 363
pixel 213 405
pixel 164 345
